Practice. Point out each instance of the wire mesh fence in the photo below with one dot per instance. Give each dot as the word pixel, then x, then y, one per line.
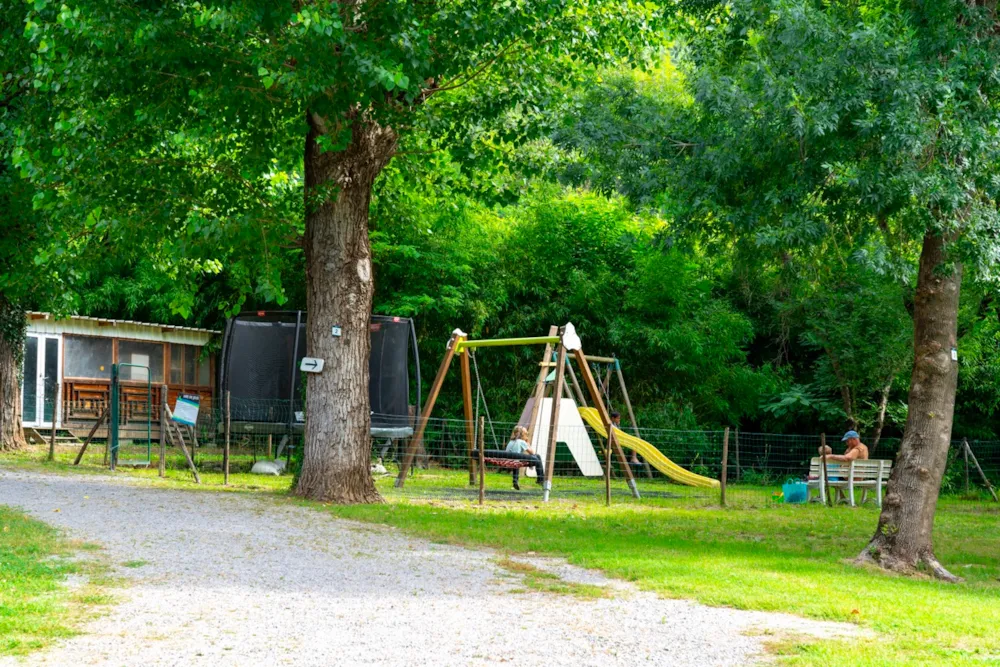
pixel 141 434
pixel 668 466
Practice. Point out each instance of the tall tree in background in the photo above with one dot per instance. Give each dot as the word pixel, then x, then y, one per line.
pixel 17 231
pixel 12 315
pixel 156 100
pixel 12 324
pixel 867 125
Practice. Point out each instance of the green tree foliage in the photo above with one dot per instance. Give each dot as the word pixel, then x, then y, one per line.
pixel 863 132
pixel 633 134
pixel 196 125
pixel 869 125
pixel 557 256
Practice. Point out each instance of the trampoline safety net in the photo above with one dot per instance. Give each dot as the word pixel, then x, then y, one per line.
pixel 260 360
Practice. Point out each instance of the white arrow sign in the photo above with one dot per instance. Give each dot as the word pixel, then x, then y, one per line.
pixel 311 365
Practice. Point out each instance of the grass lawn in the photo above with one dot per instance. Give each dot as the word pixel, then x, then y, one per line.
pixel 35 607
pixel 34 457
pixel 779 558
pixel 759 555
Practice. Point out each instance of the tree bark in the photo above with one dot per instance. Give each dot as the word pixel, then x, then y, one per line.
pixel 903 538
pixel 11 345
pixel 339 288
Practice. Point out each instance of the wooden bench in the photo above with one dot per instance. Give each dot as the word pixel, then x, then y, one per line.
pixel 864 476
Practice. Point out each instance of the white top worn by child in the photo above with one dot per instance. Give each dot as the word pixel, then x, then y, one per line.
pixel 518 444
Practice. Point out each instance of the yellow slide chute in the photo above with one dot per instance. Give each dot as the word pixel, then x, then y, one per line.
pixel 648 452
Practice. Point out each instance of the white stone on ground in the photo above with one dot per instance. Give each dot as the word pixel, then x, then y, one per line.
pixel 268 468
pixel 233 579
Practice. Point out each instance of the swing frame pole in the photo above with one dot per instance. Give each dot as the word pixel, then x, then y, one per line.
pixel 576 385
pixel 540 386
pixel 631 413
pixel 508 342
pixel 482 460
pixel 550 451
pixel 457 336
pixel 470 427
pixel 595 395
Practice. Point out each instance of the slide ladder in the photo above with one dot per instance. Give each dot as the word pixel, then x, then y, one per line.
pixel 648 452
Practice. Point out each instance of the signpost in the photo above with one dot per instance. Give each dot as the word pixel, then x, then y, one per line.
pixel 311 365
pixel 186 409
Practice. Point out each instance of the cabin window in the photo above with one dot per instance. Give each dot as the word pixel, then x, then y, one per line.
pixel 188 367
pixel 204 371
pixel 140 353
pixel 86 357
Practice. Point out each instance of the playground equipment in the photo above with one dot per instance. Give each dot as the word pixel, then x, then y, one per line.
pixel 566 341
pixel 547 419
pixel 259 367
pixel 650 453
pixel 570 430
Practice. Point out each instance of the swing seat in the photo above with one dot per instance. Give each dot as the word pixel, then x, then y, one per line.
pixel 504 459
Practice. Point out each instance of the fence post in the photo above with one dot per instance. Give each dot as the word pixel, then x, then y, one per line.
pixel 482 461
pixel 113 419
pixel 975 462
pixel 162 465
pixel 607 472
pixel 225 452
pixel 826 479
pixel 965 452
pixel 736 444
pixel 52 436
pixel 725 465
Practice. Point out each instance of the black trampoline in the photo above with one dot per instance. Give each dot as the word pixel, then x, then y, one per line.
pixel 259 367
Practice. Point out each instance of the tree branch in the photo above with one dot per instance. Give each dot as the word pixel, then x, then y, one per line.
pixel 463 79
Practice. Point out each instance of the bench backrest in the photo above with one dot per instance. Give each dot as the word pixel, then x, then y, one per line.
pixel 868 469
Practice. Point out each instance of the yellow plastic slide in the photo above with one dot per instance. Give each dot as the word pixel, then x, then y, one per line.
pixel 648 452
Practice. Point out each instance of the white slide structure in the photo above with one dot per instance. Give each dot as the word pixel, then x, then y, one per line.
pixel 571 430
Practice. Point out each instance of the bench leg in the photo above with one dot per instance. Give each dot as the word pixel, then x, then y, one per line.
pixel 850 493
pixel 878 493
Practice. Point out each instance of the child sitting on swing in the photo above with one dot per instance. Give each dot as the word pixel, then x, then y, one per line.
pixel 518 445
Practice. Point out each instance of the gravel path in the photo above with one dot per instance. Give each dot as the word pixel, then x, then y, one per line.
pixel 233 579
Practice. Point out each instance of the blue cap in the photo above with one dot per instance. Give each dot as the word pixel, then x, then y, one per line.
pixel 849 435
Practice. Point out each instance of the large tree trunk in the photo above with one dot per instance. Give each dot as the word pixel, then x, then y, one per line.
pixel 902 541
pixel 337 454
pixel 11 346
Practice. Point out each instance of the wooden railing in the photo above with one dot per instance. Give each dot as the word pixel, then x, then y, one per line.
pixel 85 400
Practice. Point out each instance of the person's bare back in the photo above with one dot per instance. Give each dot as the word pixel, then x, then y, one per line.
pixel 856 450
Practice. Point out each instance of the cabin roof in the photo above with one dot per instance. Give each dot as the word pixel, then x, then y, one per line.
pixel 42 322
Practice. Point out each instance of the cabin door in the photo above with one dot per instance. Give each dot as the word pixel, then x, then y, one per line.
pixel 42 372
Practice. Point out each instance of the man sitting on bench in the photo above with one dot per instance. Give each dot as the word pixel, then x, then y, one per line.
pixel 518 445
pixel 856 450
